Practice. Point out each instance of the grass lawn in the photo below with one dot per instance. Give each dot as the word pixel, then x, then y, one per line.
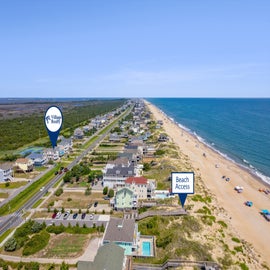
pixel 3 195
pixel 74 200
pixel 13 184
pixel 65 246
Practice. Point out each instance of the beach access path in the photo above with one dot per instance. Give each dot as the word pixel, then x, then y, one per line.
pixel 246 221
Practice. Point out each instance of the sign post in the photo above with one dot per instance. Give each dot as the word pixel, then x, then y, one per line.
pixel 182 184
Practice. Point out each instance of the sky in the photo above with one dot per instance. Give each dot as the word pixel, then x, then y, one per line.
pixel 142 48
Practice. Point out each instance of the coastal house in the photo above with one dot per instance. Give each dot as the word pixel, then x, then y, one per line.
pixel 78 134
pixel 124 233
pixel 138 185
pixel 6 171
pixel 24 164
pixel 64 146
pixel 39 158
pixel 116 176
pixel 163 138
pixel 109 257
pixel 114 137
pixel 52 153
pixel 142 187
pixel 125 199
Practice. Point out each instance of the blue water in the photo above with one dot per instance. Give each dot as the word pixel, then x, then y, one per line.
pixel 146 249
pixel 237 128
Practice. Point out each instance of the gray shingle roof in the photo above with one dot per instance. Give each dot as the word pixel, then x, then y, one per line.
pixel 120 230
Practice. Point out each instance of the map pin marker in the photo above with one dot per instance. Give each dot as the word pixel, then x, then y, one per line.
pixel 182 197
pixel 53 121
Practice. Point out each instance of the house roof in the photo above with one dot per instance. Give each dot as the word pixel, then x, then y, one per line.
pixel 136 180
pixel 6 166
pixel 121 171
pixel 23 160
pixel 120 230
pixel 109 257
pixel 120 161
pixel 124 189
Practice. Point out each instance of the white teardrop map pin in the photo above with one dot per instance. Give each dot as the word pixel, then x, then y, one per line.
pixel 53 121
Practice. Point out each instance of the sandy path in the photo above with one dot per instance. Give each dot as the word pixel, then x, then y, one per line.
pixel 247 221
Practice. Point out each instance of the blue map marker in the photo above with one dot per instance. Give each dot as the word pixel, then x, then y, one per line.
pixel 53 119
pixel 182 184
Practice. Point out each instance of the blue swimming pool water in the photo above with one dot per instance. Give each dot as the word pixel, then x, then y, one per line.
pixel 146 251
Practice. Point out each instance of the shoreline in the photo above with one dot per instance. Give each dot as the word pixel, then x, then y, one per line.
pixel 248 169
pixel 246 221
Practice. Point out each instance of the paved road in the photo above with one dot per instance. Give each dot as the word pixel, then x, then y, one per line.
pixel 15 219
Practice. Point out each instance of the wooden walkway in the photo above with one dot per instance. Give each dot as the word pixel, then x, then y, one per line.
pixel 177 212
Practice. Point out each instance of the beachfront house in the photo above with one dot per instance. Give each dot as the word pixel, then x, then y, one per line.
pixel 138 185
pixel 124 233
pixel 6 171
pixel 125 199
pixel 163 138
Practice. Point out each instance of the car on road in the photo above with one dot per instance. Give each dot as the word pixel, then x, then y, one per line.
pixel 75 215
pixel 83 215
pixel 91 216
pixel 58 215
pixel 95 204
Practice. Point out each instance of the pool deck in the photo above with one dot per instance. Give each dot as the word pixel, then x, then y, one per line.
pixel 147 239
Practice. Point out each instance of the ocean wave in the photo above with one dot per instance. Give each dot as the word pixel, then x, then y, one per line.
pixel 245 165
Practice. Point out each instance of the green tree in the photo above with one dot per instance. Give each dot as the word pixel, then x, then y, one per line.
pixel 111 193
pixel 11 244
pixel 105 190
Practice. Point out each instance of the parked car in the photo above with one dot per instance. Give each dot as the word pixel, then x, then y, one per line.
pixel 95 204
pixel 58 215
pixel 83 215
pixel 91 216
pixel 75 215
pixel 66 215
pixel 54 215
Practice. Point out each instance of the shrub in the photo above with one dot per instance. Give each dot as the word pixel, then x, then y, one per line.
pixel 11 244
pixel 37 227
pixel 236 240
pixel 31 266
pixel 111 193
pixel 58 192
pixel 55 229
pixel 222 223
pixel 36 243
pixel 105 190
pixel 64 266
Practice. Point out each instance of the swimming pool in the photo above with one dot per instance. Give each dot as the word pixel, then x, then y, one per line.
pixel 146 251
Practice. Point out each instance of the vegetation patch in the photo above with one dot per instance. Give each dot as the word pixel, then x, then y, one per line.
pixel 36 243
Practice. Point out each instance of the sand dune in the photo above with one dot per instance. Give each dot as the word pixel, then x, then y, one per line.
pixel 247 221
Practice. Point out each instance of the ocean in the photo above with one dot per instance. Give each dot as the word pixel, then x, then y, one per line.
pixel 239 129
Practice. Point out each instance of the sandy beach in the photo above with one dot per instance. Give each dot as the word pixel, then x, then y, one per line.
pixel 249 224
